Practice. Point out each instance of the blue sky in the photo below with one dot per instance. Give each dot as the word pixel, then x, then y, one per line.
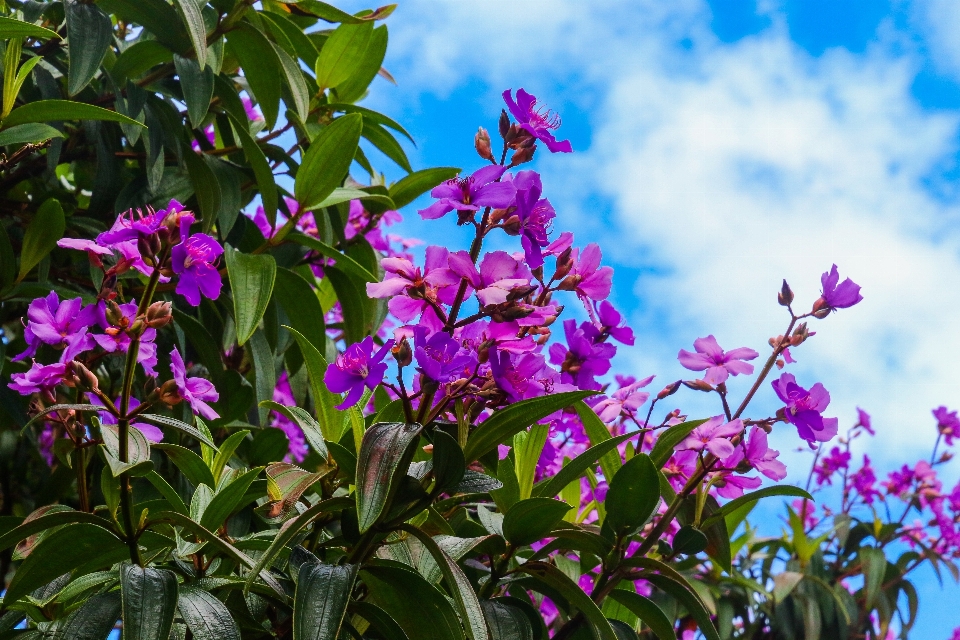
pixel 722 145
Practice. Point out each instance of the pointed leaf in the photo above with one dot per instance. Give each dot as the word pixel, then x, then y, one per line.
pixel 448 462
pixel 190 464
pixel 260 68
pixel 385 454
pixel 506 622
pixel 416 605
pixel 343 261
pixel 34 132
pixel 530 520
pixel 149 602
pixel 193 21
pixel 13 28
pixel 309 426
pixel 574 469
pixel 42 235
pixel 89 34
pixel 300 303
pixel 598 433
pixel 227 500
pixel 206 617
pixel 749 498
pixel 633 495
pixel 647 611
pixel 326 162
pixel 669 440
pixel 183 427
pixel 330 418
pixel 321 598
pixel 556 579
pixel 251 282
pixel 197 84
pixel 56 110
pixel 342 54
pixel 412 186
pixel 94 619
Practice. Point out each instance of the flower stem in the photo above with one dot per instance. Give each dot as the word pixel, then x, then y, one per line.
pixel 777 350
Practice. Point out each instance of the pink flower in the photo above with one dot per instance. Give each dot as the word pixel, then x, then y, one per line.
pixel 64 325
pixel 38 378
pixel 500 274
pixel 410 289
pixel 715 361
pixel 714 436
pixel 482 189
pixel 756 452
pixel 625 400
pixel 587 277
pixel 537 121
pixel 805 408
pixel 196 391
pixel 947 424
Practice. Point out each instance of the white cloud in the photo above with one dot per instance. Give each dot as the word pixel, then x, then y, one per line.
pixel 729 167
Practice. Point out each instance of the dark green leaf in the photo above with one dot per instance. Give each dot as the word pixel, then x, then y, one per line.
pixel 687 598
pixel 647 611
pixel 183 427
pixel 189 463
pixel 207 617
pixel 448 462
pixel 149 602
pixel 689 541
pixel 598 433
pixel 385 454
pixel 379 619
pixel 532 519
pixel 342 54
pixel 331 14
pixel 873 564
pixel 89 34
pixel 300 303
pixel 410 187
pixel 778 490
pixel 556 579
pixel 506 622
pixel 138 450
pixel 192 20
pixel 320 603
pixel 227 500
pixel 343 261
pixel 261 169
pixel 633 495
pixel 200 339
pixel 62 407
pixel 379 118
pixel 94 619
pixel 138 58
pixel 251 283
pixel 294 79
pixel 156 16
pixel 574 469
pixel 304 47
pixel 168 492
pixel 476 482
pixel 260 68
pixel 506 422
pixel 58 553
pixel 41 237
pixel 669 440
pixel 34 132
pixel 55 110
pixel 309 426
pixel 13 28
pixel 197 84
pixel 416 605
pixel 386 143
pixel 326 162
pixel 354 87
pixel 331 418
pixel 265 371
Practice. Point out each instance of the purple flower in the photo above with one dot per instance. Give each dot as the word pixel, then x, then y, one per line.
pixel 608 324
pixel 537 121
pixel 472 193
pixel 81 244
pixel 830 464
pixel 356 368
pixel 193 261
pixel 61 324
pixel 283 394
pixel 115 336
pixel 38 378
pixel 587 277
pixel 864 482
pixel 947 424
pixel 714 436
pixel 804 408
pixel 582 359
pixel 133 224
pixel 757 453
pixel 732 486
pixel 524 376
pixel 717 363
pixel 412 290
pixel 837 296
pixel 625 400
pixel 196 391
pixel 535 216
pixel 499 275
pixel 440 357
pixel 863 420
pixel 149 431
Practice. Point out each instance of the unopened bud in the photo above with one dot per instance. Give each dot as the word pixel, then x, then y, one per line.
pixel 518 293
pixel 669 390
pixel 169 394
pixel 821 309
pixel 148 246
pixel 149 386
pixel 511 226
pixel 780 363
pixel 570 283
pixel 482 143
pixel 800 334
pixel 114 314
pixel 504 123
pixel 402 353
pixel 83 378
pixel 514 312
pixel 159 314
pixel 785 297
pixel 499 214
pixel 564 264
pixel 522 155
pixel 538 273
pixel 698 385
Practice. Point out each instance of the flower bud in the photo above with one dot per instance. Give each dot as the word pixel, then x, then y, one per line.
pixel 570 283
pixel 800 334
pixel 518 293
pixel 149 386
pixel 402 353
pixel 83 378
pixel 669 390
pixel 512 312
pixel 522 155
pixel 148 246
pixel 697 385
pixel 169 394
pixel 159 314
pixel 511 226
pixel 504 123
pixel 821 308
pixel 113 313
pixel 785 297
pixel 482 143
pixel 538 273
pixel 564 264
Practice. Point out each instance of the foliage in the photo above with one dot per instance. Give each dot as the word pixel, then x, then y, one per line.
pixel 235 424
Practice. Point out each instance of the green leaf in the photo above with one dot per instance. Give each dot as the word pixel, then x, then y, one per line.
pixel 343 261
pixel 386 143
pixel 457 584
pixel 168 492
pixel 574 469
pixel 157 16
pixel 34 132
pixel 598 432
pixel 260 68
pixel 321 598
pixel 149 602
pixel 345 194
pixel 527 447
pixel 60 552
pixel 261 169
pixel 689 541
pixel 189 463
pixel 384 625
pixel 331 418
pixel 183 427
pixel 353 298
pixel 379 118
pixel 669 440
pixel 412 186
pixel 310 427
pixel 226 452
pixel 197 84
pixel 300 303
pixel 749 498
pixel 448 462
pixel 385 454
pixel 13 28
pixel 138 450
pixel 288 482
pixel 873 564
pixel 416 605
pixel 251 283
pixel 56 110
pixel 506 422
pixel 57 407
pixel 205 185
pixel 94 619
pixel 342 54
pixel 354 87
pixel 41 237
pixel 633 495
pixel 294 79
pixel 688 599
pixel 556 579
pixel 89 34
pixel 227 500
pixel 193 21
pixel 506 622
pixel 532 519
pixel 647 611
pixel 326 162
pixel 206 617
pixel 303 45
pixel 139 58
